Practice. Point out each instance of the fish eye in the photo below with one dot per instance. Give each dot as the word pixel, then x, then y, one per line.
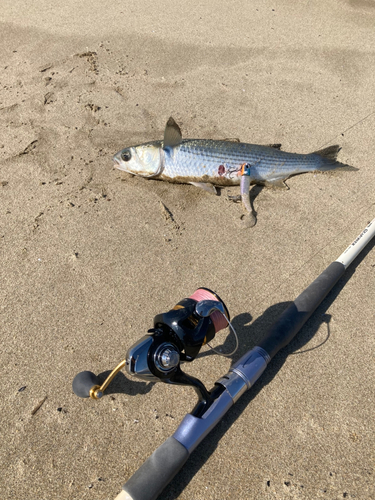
pixel 126 155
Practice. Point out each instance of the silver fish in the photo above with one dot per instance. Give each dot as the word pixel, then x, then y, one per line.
pixel 208 163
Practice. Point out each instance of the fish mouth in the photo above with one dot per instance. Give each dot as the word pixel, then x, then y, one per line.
pixel 118 164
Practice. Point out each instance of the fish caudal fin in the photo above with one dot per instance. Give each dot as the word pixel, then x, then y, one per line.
pixel 330 153
pixel 330 156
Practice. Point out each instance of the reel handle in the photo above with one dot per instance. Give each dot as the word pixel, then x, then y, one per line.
pixel 86 384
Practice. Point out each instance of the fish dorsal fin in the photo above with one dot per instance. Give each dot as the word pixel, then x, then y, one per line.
pixel 172 134
pixel 232 139
pixel 274 146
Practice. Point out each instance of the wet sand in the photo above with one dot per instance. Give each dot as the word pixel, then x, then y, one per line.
pixel 90 255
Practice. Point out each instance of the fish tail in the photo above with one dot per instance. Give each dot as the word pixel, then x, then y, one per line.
pixel 329 156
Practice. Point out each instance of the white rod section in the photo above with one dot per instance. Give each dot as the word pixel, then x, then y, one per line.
pixel 358 245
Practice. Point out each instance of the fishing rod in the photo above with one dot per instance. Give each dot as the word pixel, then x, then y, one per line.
pixel 177 338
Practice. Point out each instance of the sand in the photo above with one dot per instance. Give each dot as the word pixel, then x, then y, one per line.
pixel 88 256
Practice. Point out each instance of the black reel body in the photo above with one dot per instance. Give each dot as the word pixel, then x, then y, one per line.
pixel 177 337
pixel 186 328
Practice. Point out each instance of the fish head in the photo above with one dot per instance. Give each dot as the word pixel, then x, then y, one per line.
pixel 145 160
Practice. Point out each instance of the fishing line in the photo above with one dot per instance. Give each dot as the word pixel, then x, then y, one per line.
pixel 262 300
pixel 349 128
pixel 226 355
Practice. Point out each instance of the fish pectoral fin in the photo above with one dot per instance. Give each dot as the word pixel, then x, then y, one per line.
pixel 172 134
pixel 236 198
pixel 277 183
pixel 206 186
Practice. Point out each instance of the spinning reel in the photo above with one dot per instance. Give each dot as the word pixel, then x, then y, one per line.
pixel 176 338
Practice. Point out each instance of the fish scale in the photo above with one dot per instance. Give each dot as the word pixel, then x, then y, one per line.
pixel 199 158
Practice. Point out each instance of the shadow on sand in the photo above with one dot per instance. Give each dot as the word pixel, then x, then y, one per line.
pixel 249 335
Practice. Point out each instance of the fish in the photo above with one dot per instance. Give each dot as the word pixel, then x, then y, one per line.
pixel 207 163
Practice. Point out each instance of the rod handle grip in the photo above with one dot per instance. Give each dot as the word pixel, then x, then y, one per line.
pixel 156 473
